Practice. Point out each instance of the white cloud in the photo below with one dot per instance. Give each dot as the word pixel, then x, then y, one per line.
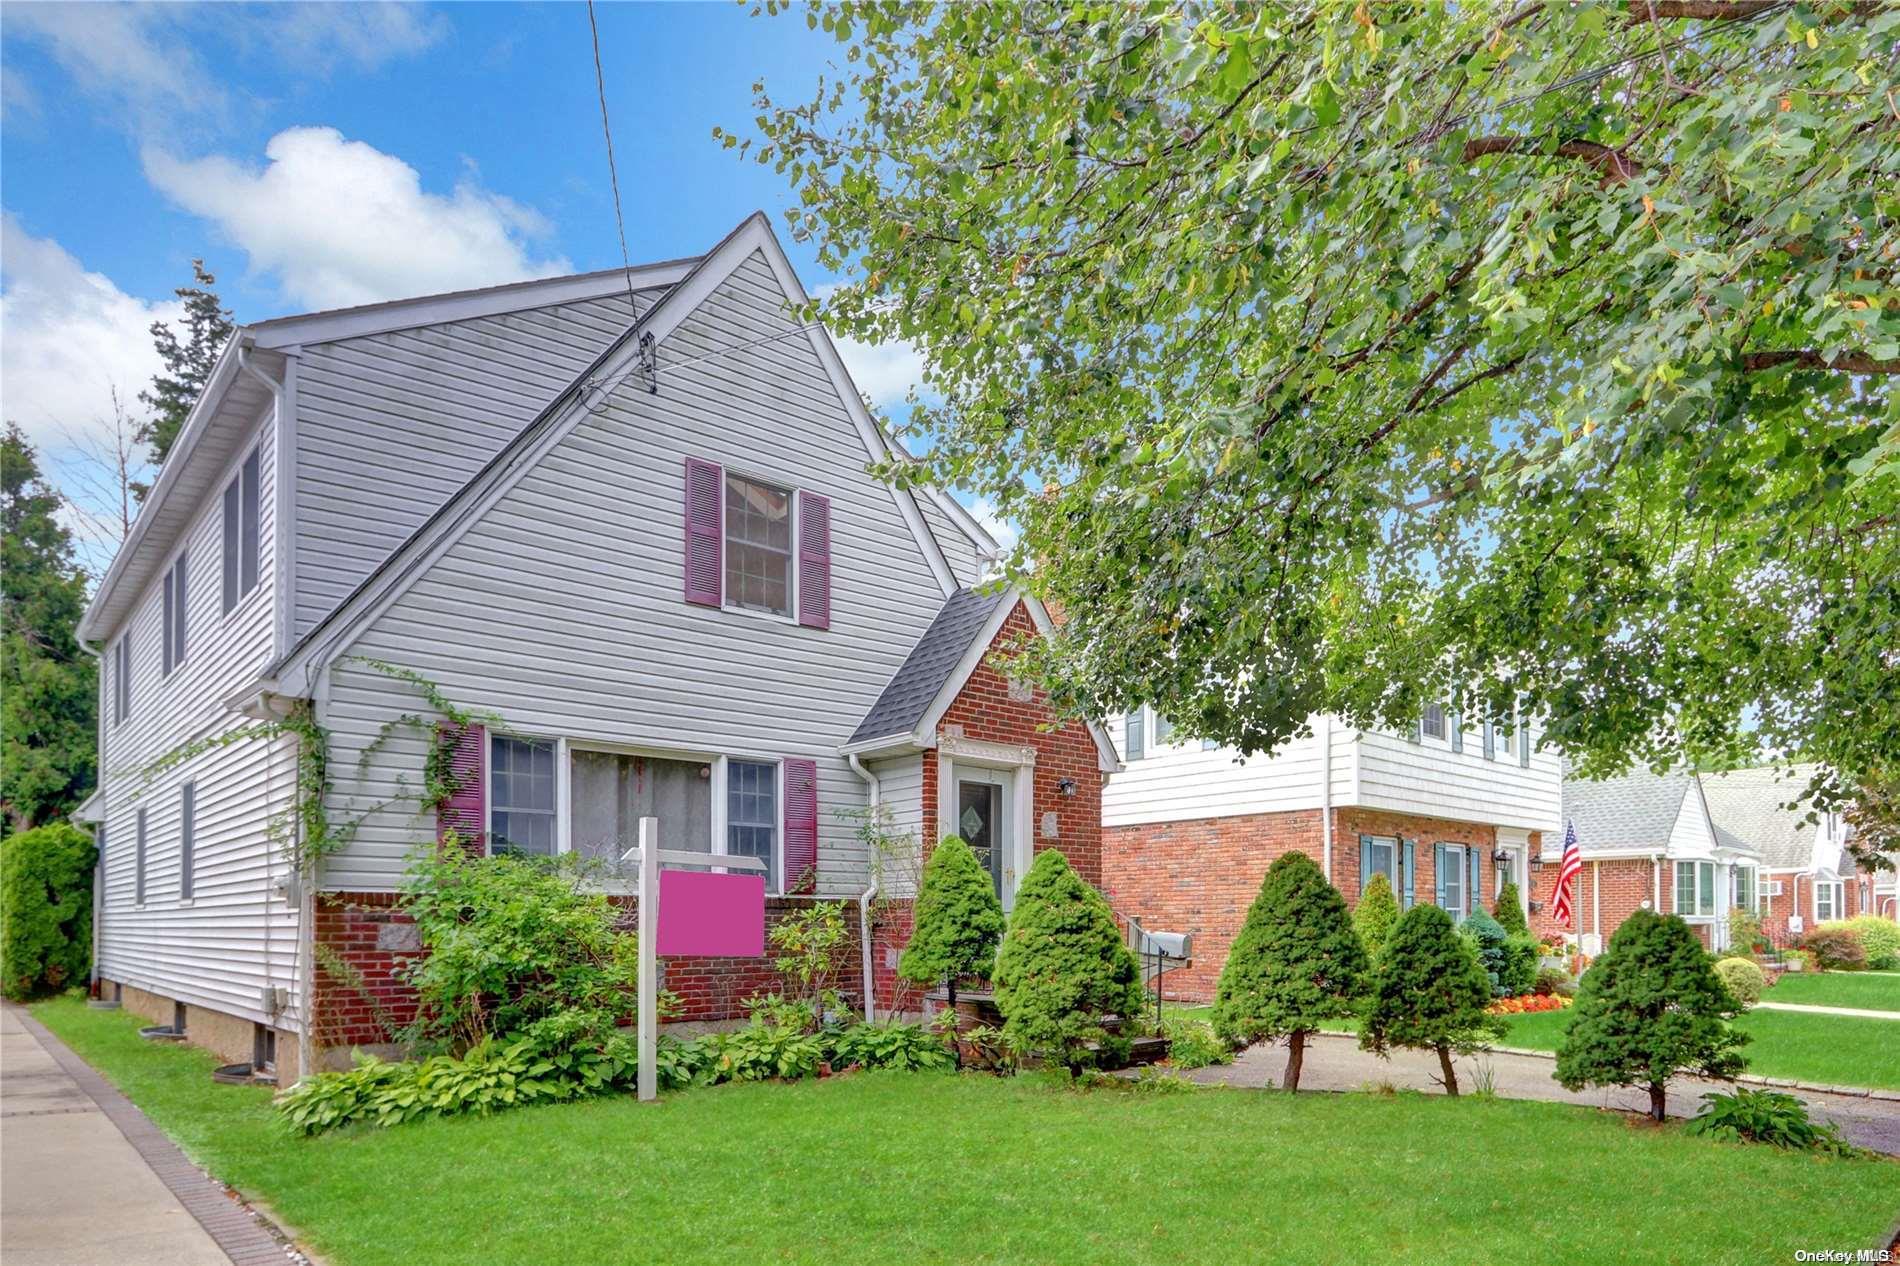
pixel 143 61
pixel 68 337
pixel 883 371
pixel 995 524
pixel 338 222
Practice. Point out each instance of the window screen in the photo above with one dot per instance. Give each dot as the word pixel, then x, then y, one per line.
pixel 521 796
pixel 752 815
pixel 758 546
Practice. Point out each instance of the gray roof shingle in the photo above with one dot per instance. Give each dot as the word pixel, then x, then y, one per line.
pixel 928 666
pixel 1635 810
pixel 1752 805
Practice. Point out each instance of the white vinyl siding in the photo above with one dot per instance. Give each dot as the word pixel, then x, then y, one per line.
pixel 390 426
pixel 237 933
pixel 1428 779
pixel 559 608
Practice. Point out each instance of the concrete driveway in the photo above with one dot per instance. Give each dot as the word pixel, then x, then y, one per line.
pixel 1335 1062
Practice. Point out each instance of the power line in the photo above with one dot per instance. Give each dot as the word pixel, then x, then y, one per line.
pixel 613 174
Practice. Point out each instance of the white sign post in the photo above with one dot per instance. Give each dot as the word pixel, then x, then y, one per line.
pixel 646 891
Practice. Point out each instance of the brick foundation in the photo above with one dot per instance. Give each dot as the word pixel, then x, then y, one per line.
pixel 1200 876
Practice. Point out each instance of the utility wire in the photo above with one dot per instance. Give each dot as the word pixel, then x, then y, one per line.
pixel 613 174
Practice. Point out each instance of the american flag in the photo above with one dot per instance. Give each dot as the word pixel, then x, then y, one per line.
pixel 1567 871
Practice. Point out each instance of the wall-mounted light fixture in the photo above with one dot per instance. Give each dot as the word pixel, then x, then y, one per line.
pixel 1065 787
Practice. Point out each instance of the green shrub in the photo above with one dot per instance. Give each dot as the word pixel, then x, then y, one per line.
pixel 1063 967
pixel 1744 979
pixel 811 944
pixel 1295 964
pixel 1192 1042
pixel 762 1051
pixel 45 910
pixel 1551 980
pixel 955 924
pixel 1429 993
pixel 489 1077
pixel 1375 914
pixel 1744 930
pixel 1520 964
pixel 1486 937
pixel 1509 910
pixel 512 940
pixel 1765 1116
pixel 1651 1007
pixel 1880 938
pixel 1835 947
pixel 906 1047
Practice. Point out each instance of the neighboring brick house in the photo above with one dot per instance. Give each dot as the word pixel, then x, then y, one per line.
pixel 1649 842
pixel 633 516
pixel 1448 814
pixel 1808 876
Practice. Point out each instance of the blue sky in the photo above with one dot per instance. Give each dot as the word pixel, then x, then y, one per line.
pixel 318 155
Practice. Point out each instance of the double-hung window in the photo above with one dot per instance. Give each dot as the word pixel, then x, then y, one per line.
pixel 522 796
pixel 1452 878
pixel 241 516
pixel 122 679
pixel 176 606
pixel 1742 893
pixel 1695 889
pixel 1827 900
pixel 1378 855
pixel 758 546
pixel 752 815
pixel 1434 722
pixel 1163 728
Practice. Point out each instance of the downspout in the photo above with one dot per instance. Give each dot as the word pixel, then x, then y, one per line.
pixel 1655 861
pixel 1326 795
pixel 867 896
pixel 1596 903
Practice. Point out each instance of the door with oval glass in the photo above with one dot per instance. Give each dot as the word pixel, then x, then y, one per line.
pixel 983 815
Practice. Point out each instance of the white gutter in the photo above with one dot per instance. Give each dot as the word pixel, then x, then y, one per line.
pixel 1326 795
pixel 866 897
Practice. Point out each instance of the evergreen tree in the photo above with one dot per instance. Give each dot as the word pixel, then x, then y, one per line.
pixel 188 362
pixel 1063 967
pixel 1296 963
pixel 47 702
pixel 955 922
pixel 1509 910
pixel 1486 937
pixel 1429 993
pixel 1650 1008
pixel 1375 914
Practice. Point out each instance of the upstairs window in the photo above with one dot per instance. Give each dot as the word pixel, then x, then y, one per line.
pixel 758 546
pixel 176 607
pixel 240 533
pixel 122 679
pixel 1163 729
pixel 521 796
pixel 1134 735
pixel 1434 721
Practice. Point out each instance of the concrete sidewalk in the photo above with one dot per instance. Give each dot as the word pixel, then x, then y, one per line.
pixel 75 1190
pixel 1816 1009
pixel 1335 1062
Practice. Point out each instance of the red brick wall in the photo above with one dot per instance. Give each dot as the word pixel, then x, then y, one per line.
pixel 983 711
pixel 1627 884
pixel 367 932
pixel 1200 876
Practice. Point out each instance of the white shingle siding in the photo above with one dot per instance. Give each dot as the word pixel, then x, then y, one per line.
pixel 234 936
pixel 1429 779
pixel 1178 781
pixel 391 425
pixel 561 607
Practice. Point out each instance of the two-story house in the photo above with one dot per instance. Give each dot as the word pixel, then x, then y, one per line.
pixel 625 526
pixel 1448 814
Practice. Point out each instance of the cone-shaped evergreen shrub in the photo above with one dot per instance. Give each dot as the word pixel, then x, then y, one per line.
pixel 1375 914
pixel 1429 993
pixel 1296 963
pixel 45 909
pixel 1486 937
pixel 1509 910
pixel 955 922
pixel 1064 966
pixel 1651 1007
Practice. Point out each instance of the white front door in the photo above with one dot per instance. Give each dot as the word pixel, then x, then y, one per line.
pixel 984 809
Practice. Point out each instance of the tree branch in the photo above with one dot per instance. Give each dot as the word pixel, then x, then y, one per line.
pixel 1808 358
pixel 1641 11
pixel 1616 166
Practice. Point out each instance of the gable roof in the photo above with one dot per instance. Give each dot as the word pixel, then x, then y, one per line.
pixel 1631 811
pixel 929 666
pixel 587 392
pixel 1752 804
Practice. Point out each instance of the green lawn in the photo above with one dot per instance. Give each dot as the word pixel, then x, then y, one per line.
pixel 904 1167
pixel 1838 989
pixel 1838 1050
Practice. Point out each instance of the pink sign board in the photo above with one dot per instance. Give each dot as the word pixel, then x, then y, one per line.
pixel 711 916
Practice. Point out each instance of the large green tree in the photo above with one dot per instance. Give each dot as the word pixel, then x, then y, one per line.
pixel 47 701
pixel 188 361
pixel 1543 345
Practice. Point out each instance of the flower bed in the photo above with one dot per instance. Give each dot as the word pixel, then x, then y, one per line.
pixel 1528 1003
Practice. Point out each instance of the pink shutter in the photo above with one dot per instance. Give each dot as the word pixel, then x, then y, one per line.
pixel 814 560
pixel 704 534
pixel 461 810
pixel 801 825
